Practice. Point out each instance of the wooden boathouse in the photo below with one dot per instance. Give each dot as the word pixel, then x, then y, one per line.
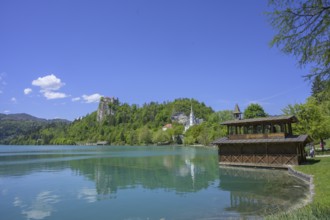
pixel 265 142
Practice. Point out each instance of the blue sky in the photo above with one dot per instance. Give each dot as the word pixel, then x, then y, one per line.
pixel 58 56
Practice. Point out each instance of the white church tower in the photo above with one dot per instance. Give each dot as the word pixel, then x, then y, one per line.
pixel 191 118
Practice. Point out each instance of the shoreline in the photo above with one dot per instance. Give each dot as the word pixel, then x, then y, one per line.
pixel 309 179
pixel 306 178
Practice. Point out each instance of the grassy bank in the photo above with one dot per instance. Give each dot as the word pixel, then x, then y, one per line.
pixel 320 206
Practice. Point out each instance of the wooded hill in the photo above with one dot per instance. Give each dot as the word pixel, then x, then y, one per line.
pixel 129 125
pixel 24 128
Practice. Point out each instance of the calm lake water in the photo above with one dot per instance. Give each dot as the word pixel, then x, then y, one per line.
pixel 91 182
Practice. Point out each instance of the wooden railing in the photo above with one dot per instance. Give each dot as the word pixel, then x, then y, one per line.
pixel 256 136
pixel 260 159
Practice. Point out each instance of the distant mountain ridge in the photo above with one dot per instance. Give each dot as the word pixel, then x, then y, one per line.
pixel 27 117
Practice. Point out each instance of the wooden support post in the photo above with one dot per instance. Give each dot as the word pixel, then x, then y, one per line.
pixel 298 153
pixel 290 129
pixel 271 128
pixel 263 128
pixel 267 160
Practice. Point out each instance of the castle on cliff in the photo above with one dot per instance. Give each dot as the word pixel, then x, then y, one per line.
pixel 106 107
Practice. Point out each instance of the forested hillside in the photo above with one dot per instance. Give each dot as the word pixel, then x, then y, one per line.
pixel 26 129
pixel 130 125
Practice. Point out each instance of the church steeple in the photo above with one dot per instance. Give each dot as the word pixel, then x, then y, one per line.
pixel 237 113
pixel 192 117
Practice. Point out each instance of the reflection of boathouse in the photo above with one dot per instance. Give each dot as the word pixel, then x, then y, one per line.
pixel 265 141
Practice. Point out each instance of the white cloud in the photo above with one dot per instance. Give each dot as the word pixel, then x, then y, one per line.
pixel 6 111
pixel 13 99
pixel 48 85
pixel 27 91
pixel 49 82
pixel 54 95
pixel 92 98
pixel 76 99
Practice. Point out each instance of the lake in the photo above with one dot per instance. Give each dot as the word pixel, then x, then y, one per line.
pixel 151 182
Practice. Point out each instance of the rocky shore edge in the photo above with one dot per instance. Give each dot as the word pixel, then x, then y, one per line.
pixel 307 178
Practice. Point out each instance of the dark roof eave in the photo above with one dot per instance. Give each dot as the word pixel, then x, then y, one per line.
pixel 288 118
pixel 298 139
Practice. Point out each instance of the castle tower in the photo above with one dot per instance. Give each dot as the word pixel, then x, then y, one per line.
pixel 237 113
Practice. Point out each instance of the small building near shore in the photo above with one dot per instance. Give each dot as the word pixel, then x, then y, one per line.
pixel 265 142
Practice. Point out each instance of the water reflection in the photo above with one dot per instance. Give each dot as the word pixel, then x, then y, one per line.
pixel 41 207
pixel 186 183
pixel 187 172
pixel 261 191
pixel 88 194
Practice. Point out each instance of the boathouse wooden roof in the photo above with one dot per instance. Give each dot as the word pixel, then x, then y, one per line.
pixel 272 119
pixel 291 139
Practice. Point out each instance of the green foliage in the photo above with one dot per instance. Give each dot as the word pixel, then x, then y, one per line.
pixel 129 125
pixel 30 130
pixel 318 89
pixel 144 135
pixel 221 116
pixel 254 110
pixel 303 30
pixel 189 140
pixel 314 118
pixel 162 136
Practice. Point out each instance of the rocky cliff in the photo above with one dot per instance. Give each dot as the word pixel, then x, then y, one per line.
pixel 106 107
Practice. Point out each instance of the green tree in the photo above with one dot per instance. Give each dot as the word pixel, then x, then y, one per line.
pixel 189 140
pixel 204 136
pixel 314 119
pixel 304 31
pixel 221 116
pixel 254 110
pixel 144 135
pixel 320 89
pixel 161 136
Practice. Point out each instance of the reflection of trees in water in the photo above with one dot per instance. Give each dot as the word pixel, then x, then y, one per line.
pixel 248 203
pixel 178 169
pixel 166 172
pixel 261 190
pixel 20 165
